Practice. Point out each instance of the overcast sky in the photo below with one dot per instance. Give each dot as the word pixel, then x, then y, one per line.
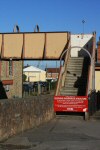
pixel 50 15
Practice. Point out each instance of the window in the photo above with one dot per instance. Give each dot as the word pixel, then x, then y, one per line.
pixel 49 74
pixel 10 68
pixel 7 88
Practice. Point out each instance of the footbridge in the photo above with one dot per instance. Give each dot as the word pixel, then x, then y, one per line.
pixel 74 92
pixel 33 45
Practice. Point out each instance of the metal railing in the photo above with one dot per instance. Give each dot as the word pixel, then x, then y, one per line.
pixel 62 73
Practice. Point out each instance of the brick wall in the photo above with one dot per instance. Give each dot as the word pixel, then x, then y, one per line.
pixel 52 75
pixel 17 76
pixel 98 51
pixel 20 114
pixel 15 89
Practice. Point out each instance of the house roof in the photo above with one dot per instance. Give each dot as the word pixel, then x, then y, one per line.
pixel 53 70
pixel 32 69
pixel 26 66
pixel 97 66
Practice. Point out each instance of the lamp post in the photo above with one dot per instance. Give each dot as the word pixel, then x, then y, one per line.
pixel 83 22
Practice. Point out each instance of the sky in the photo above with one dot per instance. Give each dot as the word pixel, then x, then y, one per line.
pixel 50 15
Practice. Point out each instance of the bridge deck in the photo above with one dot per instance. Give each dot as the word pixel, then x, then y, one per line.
pixel 33 45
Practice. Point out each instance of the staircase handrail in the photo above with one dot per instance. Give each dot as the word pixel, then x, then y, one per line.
pixel 88 81
pixel 63 68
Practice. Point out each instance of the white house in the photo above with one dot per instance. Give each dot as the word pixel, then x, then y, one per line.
pixel 34 74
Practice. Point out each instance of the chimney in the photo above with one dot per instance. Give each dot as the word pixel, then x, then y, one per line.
pixel 98 50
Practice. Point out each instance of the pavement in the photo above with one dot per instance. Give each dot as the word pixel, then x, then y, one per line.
pixel 58 134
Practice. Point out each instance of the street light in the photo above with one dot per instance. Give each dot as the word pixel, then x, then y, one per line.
pixel 83 22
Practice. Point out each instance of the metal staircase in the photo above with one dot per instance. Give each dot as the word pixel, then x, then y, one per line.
pixel 75 77
pixel 76 83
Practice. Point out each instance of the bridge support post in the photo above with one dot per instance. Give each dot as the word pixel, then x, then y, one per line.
pixel 39 89
pixel 86 117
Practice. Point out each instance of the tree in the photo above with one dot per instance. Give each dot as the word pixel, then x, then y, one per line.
pixel 24 77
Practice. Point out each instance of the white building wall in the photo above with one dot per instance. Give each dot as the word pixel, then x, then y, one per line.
pixel 79 40
pixel 35 76
pixel 97 80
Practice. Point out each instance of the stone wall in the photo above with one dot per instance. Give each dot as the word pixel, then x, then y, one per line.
pixel 17 115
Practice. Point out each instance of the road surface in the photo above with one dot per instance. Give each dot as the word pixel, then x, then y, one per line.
pixel 58 134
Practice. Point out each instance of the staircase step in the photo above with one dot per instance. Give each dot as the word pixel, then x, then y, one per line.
pixel 75 72
pixel 75 61
pixel 72 82
pixel 72 75
pixel 72 78
pixel 69 89
pixel 79 58
pixel 67 79
pixel 75 85
pixel 78 64
pixel 74 69
pixel 72 64
pixel 68 94
pixel 69 85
